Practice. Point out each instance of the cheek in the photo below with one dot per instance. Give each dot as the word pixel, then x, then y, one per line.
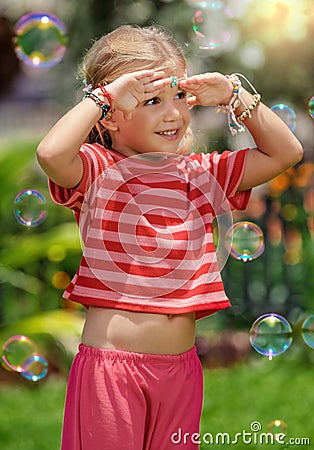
pixel 186 114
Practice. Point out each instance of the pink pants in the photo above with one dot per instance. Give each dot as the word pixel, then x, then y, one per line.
pixel 119 400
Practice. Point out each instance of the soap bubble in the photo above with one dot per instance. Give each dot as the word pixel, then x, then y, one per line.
pixel 277 428
pixel 16 350
pixel 271 335
pixel 310 107
pixel 286 113
pixel 40 39
pixel 29 208
pixel 245 240
pixel 307 331
pixel 210 26
pixel 34 368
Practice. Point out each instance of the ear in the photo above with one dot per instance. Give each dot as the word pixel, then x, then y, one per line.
pixel 110 122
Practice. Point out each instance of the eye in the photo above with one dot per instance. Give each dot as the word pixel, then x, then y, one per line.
pixel 152 101
pixel 180 95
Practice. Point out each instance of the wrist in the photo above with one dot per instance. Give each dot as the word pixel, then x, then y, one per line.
pixel 241 104
pixel 230 94
pixel 99 94
pixel 107 95
pixel 248 104
pixel 247 98
pixel 101 103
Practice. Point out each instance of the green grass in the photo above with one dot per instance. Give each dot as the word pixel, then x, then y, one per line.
pixel 261 390
pixel 31 415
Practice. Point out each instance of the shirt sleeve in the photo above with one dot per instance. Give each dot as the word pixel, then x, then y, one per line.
pixel 94 163
pixel 227 168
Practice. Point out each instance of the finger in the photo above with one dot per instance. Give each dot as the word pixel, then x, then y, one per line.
pixel 148 75
pixel 192 87
pixel 195 79
pixel 154 87
pixel 191 91
pixel 189 86
pixel 158 75
pixel 140 74
pixel 192 101
pixel 155 83
pixel 148 95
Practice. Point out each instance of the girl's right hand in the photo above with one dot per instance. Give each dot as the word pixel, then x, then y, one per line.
pixel 134 88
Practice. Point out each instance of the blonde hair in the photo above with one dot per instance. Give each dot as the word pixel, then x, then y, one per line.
pixel 128 48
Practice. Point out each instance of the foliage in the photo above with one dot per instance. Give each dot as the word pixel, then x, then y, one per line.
pixel 56 333
pixel 279 280
pixel 29 257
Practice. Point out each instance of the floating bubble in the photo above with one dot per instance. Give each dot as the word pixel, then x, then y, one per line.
pixel 310 107
pixel 286 113
pixel 34 368
pixel 29 208
pixel 210 26
pixel 271 335
pixel 307 331
pixel 40 39
pixel 277 428
pixel 245 240
pixel 16 350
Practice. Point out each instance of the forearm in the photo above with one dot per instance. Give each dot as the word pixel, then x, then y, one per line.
pixel 271 135
pixel 57 153
pixel 277 148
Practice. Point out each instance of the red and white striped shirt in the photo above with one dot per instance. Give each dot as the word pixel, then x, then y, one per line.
pixel 147 227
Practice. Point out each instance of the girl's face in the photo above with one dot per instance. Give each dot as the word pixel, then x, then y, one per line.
pixel 157 125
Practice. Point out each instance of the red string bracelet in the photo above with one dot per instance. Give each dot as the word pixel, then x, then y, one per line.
pixel 106 94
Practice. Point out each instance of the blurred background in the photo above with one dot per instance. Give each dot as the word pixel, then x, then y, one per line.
pixel 270 280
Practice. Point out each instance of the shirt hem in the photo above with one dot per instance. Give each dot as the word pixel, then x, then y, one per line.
pixel 200 310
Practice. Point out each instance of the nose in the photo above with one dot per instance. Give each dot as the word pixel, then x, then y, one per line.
pixel 171 112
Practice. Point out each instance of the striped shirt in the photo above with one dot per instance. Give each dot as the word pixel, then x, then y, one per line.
pixel 146 223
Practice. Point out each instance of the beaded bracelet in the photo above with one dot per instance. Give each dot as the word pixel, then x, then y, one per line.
pixel 247 113
pixel 106 94
pixel 106 109
pixel 236 100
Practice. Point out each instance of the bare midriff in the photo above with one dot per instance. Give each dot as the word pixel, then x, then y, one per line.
pixel 138 331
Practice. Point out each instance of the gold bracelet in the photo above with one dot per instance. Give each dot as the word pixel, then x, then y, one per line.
pixel 247 113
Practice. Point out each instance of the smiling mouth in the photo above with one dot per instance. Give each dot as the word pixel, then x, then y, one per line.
pixel 171 134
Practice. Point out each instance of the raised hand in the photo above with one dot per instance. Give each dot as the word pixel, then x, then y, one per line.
pixel 207 89
pixel 131 89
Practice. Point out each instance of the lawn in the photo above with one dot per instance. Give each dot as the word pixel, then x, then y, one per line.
pixel 260 391
pixel 30 415
pixel 257 391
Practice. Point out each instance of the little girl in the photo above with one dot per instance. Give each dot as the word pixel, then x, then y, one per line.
pixel 119 159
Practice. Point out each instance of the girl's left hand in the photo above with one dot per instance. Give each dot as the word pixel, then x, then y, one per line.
pixel 207 89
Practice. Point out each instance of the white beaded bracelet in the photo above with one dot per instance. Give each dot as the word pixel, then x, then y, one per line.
pixel 234 121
